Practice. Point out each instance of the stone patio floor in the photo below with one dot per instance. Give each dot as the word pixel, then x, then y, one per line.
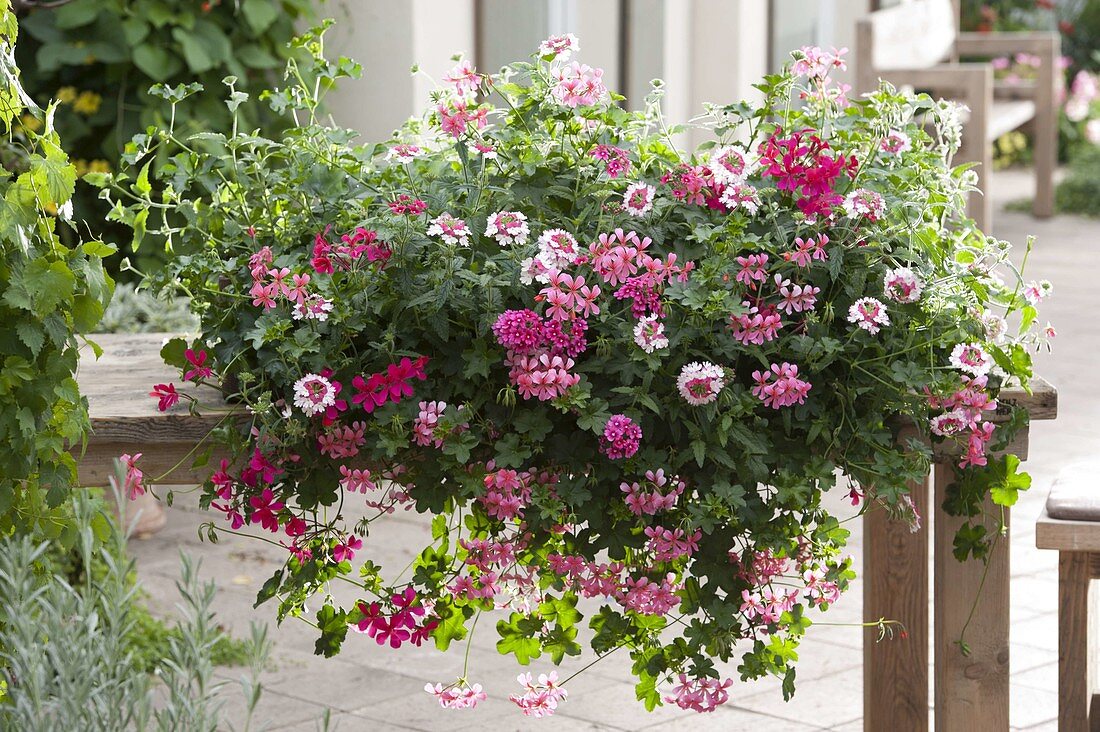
pixel 368 687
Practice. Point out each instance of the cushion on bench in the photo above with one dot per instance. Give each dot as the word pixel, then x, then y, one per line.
pixel 1075 495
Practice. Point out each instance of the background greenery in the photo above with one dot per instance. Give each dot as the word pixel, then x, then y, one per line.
pixel 100 57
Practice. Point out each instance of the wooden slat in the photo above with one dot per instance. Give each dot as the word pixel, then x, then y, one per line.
pixel 158 462
pixel 1041 403
pixel 972 692
pixel 1071 536
pixel 117 386
pixel 912 35
pixel 895 570
pixel 1074 649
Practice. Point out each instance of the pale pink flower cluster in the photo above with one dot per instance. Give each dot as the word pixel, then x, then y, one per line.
pixel 569 297
pixel 539 698
pixel 701 694
pixel 342 441
pixel 753 269
pixel 780 386
pixel 404 153
pixel 796 298
pixel 965 414
pixel 902 285
pixel 869 314
pixel 638 199
pixel 450 229
pixel 896 143
pixel 657 493
pixel 756 326
pixel 426 425
pixel 864 203
pixel 132 484
pixel 971 358
pixel 668 545
pixel 649 334
pixel 463 79
pixel 356 480
pixel 741 195
pixel 270 283
pixel 767 605
pixel 1082 92
pixel 1036 292
pixel 456 117
pixel 650 597
pixel 590 579
pixel 820 591
pixel 486 555
pixel 508 227
pixel 507 493
pixel 560 47
pixel 578 85
pixel 313 394
pixel 457 696
pixel 816 63
pixel 700 382
pixel 558 249
pixel 621 437
pixel 808 251
pixel 541 377
pixel 730 166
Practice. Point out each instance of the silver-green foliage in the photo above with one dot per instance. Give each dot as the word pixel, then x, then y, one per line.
pixel 64 654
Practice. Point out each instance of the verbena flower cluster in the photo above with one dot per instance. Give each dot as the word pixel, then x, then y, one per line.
pixel 620 376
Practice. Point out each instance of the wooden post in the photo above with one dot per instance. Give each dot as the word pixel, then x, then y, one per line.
pixel 971 690
pixel 1046 127
pixel 895 570
pixel 1074 679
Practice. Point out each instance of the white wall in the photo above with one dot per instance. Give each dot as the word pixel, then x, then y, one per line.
pixel 387 38
pixel 705 50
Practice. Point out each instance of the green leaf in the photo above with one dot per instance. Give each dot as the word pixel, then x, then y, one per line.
pixel 452 624
pixel 156 62
pixel 519 637
pixel 174 351
pixel 260 14
pixel 1008 482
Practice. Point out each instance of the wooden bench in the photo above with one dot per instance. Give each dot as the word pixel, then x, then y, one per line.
pixel 970 692
pixel 918 44
pixel 1070 524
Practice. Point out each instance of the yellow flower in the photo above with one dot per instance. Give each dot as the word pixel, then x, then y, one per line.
pixel 99 166
pixel 66 94
pixel 87 103
pixel 81 166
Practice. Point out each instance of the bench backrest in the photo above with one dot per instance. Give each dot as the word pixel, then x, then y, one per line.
pixel 912 35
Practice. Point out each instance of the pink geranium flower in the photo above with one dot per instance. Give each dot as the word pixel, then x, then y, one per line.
pixel 199 369
pixel 264 510
pixel 166 395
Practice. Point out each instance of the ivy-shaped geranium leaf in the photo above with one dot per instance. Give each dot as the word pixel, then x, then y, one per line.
pixel 452 623
pixel 519 636
pixel 333 625
pixel 1007 482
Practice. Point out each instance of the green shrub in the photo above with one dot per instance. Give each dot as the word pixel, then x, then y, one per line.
pixel 1079 193
pixel 100 57
pixel 52 289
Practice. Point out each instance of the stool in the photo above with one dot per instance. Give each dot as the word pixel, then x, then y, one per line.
pixel 1070 523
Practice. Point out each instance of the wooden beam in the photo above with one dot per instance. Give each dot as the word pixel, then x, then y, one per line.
pixel 972 691
pixel 895 571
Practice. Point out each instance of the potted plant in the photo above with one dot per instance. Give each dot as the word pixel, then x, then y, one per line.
pixel 619 375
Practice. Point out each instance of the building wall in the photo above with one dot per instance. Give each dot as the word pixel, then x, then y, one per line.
pixel 705 50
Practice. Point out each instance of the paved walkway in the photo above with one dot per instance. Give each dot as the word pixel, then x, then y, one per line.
pixel 368 687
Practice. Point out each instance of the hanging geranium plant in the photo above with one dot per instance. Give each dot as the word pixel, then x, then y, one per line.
pixel 618 374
